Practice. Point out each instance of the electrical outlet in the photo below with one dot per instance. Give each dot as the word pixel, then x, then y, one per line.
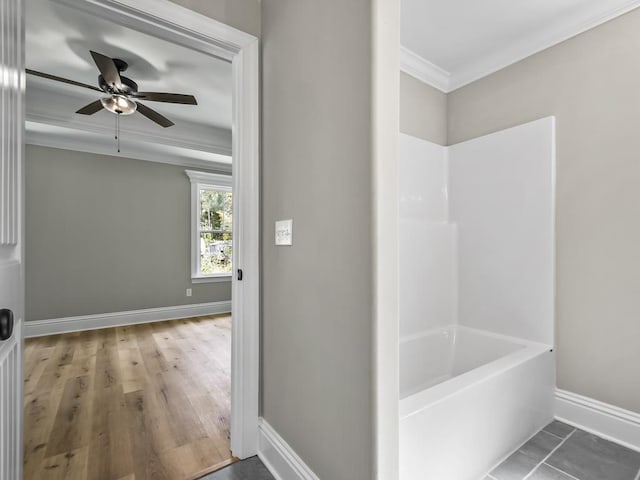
pixel 189 292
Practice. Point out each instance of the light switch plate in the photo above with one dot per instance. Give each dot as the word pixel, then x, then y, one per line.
pixel 284 232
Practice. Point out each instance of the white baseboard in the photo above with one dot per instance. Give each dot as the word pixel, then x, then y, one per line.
pixel 279 457
pixel 613 423
pixel 38 328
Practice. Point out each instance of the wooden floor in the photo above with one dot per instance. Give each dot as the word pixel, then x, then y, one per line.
pixel 144 402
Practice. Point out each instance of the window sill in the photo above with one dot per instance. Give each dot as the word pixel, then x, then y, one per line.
pixel 214 279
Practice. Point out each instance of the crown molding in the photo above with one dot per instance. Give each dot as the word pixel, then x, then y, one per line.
pixel 134 151
pixel 143 136
pixel 420 68
pixel 536 43
pixel 48 103
pixel 187 27
pixel 413 64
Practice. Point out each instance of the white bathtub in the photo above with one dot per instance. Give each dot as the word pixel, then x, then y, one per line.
pixel 468 398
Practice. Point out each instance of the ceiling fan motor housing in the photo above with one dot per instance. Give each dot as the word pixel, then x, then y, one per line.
pixel 120 64
pixel 128 85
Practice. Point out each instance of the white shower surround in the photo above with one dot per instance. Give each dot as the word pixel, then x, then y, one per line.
pixel 476 299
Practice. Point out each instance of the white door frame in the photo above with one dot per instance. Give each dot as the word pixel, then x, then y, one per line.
pixel 169 21
pixel 12 84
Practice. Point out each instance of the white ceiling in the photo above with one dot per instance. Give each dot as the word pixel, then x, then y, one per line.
pixel 460 41
pixel 58 40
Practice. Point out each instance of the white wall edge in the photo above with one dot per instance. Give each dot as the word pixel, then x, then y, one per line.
pixel 38 328
pixel 279 458
pixel 425 71
pixel 607 421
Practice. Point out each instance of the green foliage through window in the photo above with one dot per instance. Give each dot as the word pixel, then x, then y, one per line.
pixel 216 225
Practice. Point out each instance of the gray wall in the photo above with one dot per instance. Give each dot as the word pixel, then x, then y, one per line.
pixel 423 110
pixel 591 84
pixel 241 14
pixel 317 295
pixel 107 234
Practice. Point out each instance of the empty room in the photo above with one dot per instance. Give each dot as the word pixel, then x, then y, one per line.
pixel 319 240
pixel 129 208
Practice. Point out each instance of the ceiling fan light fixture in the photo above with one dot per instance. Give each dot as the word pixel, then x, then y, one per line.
pixel 119 104
pixel 119 92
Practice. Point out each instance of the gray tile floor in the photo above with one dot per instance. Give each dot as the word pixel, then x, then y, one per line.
pixel 249 469
pixel 557 452
pixel 561 452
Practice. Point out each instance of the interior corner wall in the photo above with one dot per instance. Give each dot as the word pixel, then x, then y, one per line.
pixel 590 84
pixel 317 295
pixel 107 234
pixel 423 110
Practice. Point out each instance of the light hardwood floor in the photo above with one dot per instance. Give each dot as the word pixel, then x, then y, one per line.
pixel 143 402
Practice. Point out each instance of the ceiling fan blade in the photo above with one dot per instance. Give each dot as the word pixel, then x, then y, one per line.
pixel 90 109
pixel 60 79
pixel 108 69
pixel 154 116
pixel 167 97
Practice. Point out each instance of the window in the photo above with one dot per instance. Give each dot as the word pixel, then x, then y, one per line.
pixel 211 226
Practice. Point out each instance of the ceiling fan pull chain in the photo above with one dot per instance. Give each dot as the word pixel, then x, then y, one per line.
pixel 118 130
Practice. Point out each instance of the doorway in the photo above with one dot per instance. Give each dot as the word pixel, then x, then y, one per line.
pixel 186 28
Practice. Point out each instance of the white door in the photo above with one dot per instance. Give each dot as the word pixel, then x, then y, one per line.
pixel 11 236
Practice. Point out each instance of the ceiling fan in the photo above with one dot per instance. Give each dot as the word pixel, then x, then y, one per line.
pixel 121 93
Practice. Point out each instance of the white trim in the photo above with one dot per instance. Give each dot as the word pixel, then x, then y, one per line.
pixel 213 179
pixel 245 294
pixel 212 278
pixel 75 144
pixel 607 421
pixel 422 69
pixel 174 23
pixel 170 21
pixel 278 456
pixel 413 64
pixel 217 144
pixel 385 116
pixel 39 328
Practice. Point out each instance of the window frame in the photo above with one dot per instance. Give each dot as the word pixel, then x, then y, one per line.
pixel 209 181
